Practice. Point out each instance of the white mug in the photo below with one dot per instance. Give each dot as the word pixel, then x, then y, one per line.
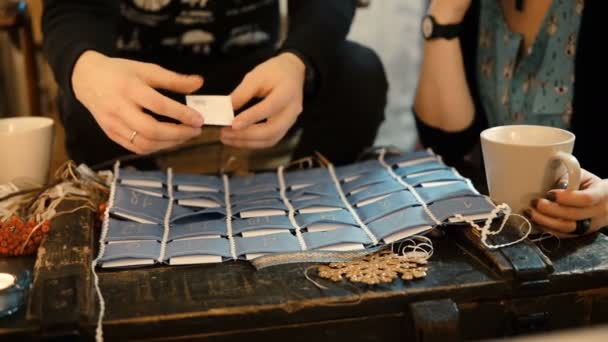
pixel 523 162
pixel 26 145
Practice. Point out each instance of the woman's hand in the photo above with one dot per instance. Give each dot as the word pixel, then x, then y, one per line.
pixel 559 211
pixel 116 91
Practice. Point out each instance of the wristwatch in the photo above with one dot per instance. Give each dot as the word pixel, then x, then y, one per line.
pixel 431 29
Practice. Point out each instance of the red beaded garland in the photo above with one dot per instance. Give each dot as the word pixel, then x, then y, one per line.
pixel 19 238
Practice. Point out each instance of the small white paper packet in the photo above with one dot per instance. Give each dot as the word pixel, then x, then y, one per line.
pixel 216 110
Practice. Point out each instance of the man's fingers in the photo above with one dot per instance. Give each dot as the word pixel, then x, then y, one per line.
pixel 248 144
pixel 141 145
pixel 262 131
pixel 146 125
pixel 249 88
pixel 120 133
pixel 272 130
pixel 112 126
pixel 161 78
pixel 272 105
pixel 147 97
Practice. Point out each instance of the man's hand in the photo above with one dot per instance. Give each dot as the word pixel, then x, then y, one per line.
pixel 280 83
pixel 115 91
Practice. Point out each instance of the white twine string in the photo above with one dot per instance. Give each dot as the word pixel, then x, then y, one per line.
pixel 307 276
pixel 167 219
pixel 334 177
pixel 287 203
pixel 229 216
pixel 415 246
pixel 485 231
pixel 407 186
pixel 544 236
pixel 102 248
pixel 29 236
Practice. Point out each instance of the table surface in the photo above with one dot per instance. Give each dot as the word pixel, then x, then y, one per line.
pixel 207 300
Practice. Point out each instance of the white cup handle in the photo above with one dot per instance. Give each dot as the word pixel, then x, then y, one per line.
pixel 573 167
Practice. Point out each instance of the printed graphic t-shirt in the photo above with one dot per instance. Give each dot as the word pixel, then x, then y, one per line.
pixel 203 29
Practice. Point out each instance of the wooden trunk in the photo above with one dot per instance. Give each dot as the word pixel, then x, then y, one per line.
pixel 469 293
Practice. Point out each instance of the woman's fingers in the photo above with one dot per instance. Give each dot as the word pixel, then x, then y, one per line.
pixel 553 223
pixel 559 211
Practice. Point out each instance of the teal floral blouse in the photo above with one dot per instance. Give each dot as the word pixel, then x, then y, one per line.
pixel 536 88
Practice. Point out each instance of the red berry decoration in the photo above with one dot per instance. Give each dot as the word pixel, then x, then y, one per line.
pixel 21 238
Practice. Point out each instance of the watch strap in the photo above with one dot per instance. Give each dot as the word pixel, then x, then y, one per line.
pixel 446 31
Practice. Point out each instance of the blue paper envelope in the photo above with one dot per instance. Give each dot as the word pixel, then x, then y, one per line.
pixel 375 190
pixel 151 179
pixel 347 235
pixel 322 202
pixel 358 169
pixel 322 189
pixel 379 175
pixel 251 184
pixel 216 247
pixel 184 182
pixel 394 202
pixel 131 254
pixel 255 197
pixel 135 206
pixel 272 204
pixel 465 206
pixel 400 221
pixel 433 176
pixel 433 165
pixel 275 243
pixel 181 214
pixel 307 177
pixel 339 216
pixel 129 230
pixel 197 229
pixel 257 223
pixel 150 191
pixel 456 189
pixel 187 195
pixel 417 156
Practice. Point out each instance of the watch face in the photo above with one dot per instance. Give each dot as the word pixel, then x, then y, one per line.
pixel 427 27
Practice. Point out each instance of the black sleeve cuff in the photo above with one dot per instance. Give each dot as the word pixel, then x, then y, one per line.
pixel 452 146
